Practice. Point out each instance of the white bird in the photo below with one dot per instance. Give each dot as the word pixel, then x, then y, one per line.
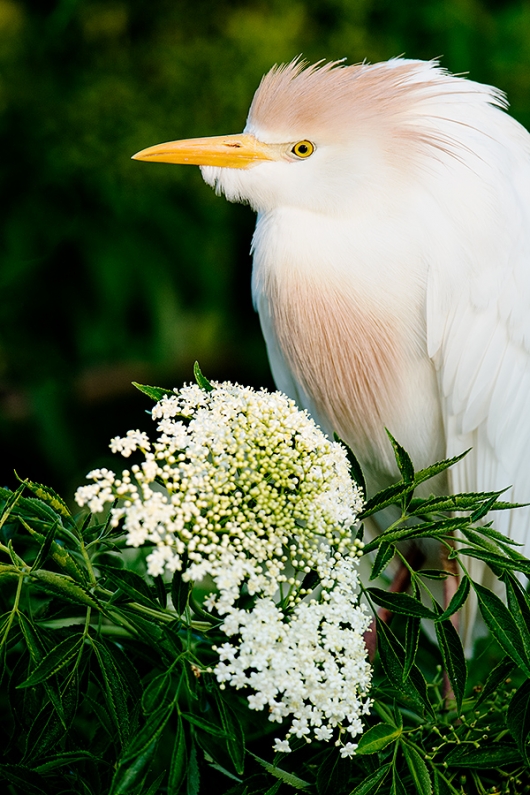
pixel 391 262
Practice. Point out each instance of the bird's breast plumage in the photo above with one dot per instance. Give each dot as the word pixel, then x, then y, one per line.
pixel 328 304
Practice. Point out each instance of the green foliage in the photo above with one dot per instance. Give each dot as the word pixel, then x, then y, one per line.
pixel 106 675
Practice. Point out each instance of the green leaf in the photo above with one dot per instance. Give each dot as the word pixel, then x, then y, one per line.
pixel 519 607
pixel 129 774
pixel 403 459
pixel 194 779
pixel 458 599
pixel 385 553
pixel 157 691
pixel 235 738
pixel 205 725
pixel 130 583
pixel 372 783
pixel 115 688
pixel 63 586
pixel 28 781
pixel 432 529
pixel 49 496
pixel 37 653
pixel 497 560
pixel 502 626
pixel 501 672
pixel 417 769
pixel 154 392
pixel 450 502
pixel 412 637
pixel 518 718
pixel 180 591
pixel 202 381
pixel 442 786
pixel 179 759
pixel 283 775
pixel 333 773
pixel 490 757
pixel 377 738
pixel 54 661
pixel 453 658
pixel 45 548
pixel 161 593
pixel 66 758
pixel 413 689
pixel 151 731
pixel 400 603
pixel 355 468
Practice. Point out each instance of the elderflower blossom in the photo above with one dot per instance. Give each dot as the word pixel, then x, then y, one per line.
pixel 245 488
pixel 308 665
pixel 240 480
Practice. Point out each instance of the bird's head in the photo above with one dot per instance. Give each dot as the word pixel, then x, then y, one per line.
pixel 329 136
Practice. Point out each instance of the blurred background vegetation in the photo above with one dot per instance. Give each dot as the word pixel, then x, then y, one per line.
pixel 113 270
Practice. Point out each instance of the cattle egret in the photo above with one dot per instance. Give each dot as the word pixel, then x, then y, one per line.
pixel 391 265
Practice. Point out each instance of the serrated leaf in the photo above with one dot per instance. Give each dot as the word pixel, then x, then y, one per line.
pixel 417 769
pixel 434 529
pixel 377 738
pixel 392 653
pixel 518 718
pixel 129 774
pixel 489 757
pixel 458 599
pixel 283 775
pixel 194 776
pixel 333 773
pixel 235 738
pixel 154 392
pixel 403 459
pixel 201 380
pixel 180 591
pixel 63 586
pixel 179 759
pixel 66 758
pixel 156 692
pixel 204 724
pixel 412 637
pixel 373 781
pixel 29 781
pixel 385 553
pixel 130 583
pixel 54 661
pixel 115 689
pixel 453 658
pixel 49 496
pixel 401 603
pixel 37 653
pixel 494 560
pixel 45 547
pixel 501 624
pixel 355 468
pixel 501 672
pixel 519 607
pixel 150 731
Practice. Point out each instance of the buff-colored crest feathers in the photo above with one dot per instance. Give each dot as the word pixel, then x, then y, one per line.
pixel 331 101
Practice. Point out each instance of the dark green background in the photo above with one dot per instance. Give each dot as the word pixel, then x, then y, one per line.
pixel 113 270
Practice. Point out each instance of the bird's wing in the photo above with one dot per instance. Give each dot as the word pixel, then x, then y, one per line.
pixel 478 326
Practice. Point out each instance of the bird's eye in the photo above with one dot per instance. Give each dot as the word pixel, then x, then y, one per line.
pixel 303 149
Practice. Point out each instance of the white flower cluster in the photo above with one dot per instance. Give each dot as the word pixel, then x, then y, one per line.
pixel 248 489
pixel 309 665
pixel 241 481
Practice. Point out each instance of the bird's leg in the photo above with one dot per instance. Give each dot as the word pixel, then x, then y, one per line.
pixel 400 583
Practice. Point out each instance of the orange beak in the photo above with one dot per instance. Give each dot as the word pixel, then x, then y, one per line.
pixel 225 151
